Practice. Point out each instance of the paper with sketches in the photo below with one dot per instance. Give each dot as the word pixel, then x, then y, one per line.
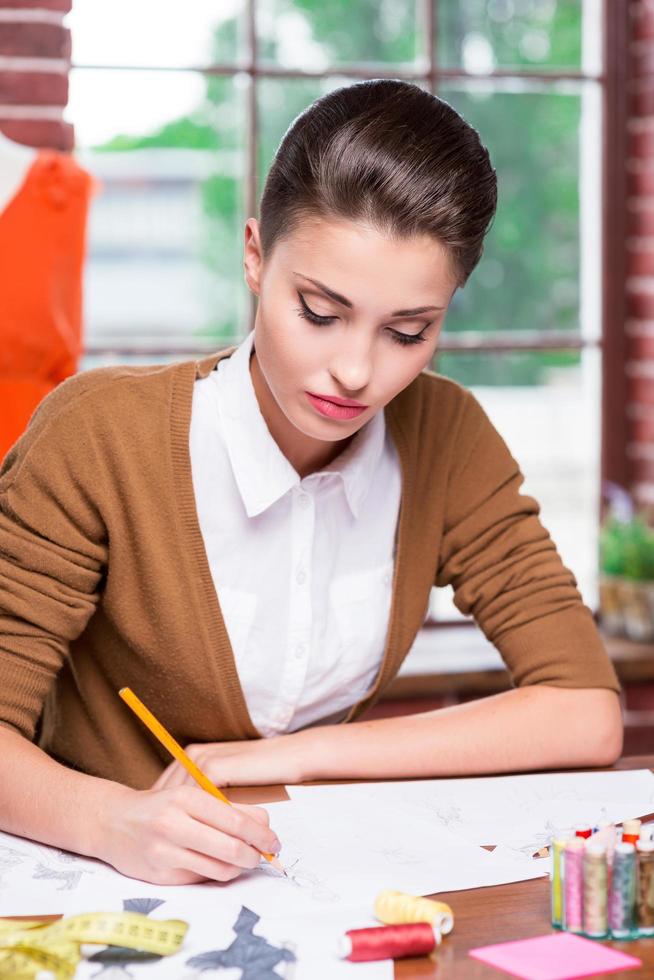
pixel 229 939
pixel 337 856
pixel 36 879
pixel 520 812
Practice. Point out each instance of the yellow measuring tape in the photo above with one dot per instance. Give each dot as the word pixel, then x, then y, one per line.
pixel 30 947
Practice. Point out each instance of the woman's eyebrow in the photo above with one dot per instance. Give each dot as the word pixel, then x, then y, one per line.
pixel 346 302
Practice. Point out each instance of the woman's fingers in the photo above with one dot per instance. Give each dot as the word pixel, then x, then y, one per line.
pixel 178 776
pixel 190 866
pixel 237 821
pixel 209 867
pixel 197 837
pixel 257 812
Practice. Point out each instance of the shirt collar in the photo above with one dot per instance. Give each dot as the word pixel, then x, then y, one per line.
pixel 262 472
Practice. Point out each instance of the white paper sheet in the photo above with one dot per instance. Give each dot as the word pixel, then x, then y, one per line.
pixel 232 939
pixel 520 812
pixel 339 853
pixel 337 856
pixel 38 880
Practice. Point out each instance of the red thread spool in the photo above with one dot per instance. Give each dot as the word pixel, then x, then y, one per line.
pixel 389 942
pixel 583 830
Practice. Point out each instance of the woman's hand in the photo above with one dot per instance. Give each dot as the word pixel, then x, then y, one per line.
pixel 260 762
pixel 182 835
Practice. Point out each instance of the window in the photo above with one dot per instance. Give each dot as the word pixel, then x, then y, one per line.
pixel 180 119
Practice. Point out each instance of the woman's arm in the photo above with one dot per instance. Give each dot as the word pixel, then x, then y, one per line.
pixel 170 836
pixel 533 727
pixel 53 555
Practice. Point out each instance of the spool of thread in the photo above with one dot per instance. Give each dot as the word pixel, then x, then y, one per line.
pixel 584 831
pixel 398 908
pixel 573 884
pixel 558 850
pixel 645 832
pixel 606 834
pixel 389 942
pixel 622 892
pixel 645 887
pixel 630 831
pixel 595 891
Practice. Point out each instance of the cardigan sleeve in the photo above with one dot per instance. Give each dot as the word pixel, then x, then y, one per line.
pixel 52 553
pixel 505 569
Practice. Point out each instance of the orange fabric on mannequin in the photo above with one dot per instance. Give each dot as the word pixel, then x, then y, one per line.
pixel 42 246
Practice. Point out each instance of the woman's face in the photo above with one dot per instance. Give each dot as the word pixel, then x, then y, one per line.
pixel 365 347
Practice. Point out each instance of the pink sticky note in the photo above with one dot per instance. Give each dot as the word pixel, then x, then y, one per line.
pixel 555 957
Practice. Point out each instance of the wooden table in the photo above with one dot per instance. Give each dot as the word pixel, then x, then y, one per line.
pixel 505 912
pixel 493 915
pixel 487 915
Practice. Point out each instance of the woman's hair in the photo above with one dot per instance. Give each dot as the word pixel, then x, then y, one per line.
pixel 388 153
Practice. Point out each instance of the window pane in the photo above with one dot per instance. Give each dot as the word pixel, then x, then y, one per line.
pixel 157 33
pixel 312 36
pixel 528 276
pixel 481 35
pixel 166 228
pixel 547 410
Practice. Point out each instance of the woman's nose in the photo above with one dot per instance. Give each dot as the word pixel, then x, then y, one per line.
pixel 352 368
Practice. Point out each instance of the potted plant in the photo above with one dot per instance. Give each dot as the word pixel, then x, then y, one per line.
pixel 627 577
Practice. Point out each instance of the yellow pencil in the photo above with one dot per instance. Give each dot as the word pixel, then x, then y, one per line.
pixel 178 752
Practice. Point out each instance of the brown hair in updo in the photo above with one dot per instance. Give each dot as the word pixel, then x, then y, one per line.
pixel 392 155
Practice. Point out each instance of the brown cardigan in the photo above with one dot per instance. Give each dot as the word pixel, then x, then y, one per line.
pixel 104 580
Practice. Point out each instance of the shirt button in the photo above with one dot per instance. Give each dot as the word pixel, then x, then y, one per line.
pixel 304 500
pixel 299 651
pixel 300 578
pixel 387 579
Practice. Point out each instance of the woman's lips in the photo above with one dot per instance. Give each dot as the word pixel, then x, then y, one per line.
pixel 332 410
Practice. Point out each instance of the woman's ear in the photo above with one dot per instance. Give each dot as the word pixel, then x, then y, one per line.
pixel 252 259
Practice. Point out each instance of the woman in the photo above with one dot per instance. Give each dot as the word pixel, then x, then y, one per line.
pixel 249 541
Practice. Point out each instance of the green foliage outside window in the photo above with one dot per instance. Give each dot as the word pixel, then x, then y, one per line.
pixel 528 277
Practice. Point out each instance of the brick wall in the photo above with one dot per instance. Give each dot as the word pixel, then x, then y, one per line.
pixel 640 251
pixel 34 64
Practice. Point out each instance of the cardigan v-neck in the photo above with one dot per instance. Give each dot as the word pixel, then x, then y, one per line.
pixel 105 583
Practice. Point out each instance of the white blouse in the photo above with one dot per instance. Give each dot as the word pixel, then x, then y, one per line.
pixel 303 568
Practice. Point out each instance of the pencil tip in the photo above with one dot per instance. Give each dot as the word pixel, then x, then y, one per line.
pixel 278 866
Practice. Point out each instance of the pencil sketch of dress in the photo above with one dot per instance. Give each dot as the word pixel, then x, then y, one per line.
pixel 61 866
pixel 114 960
pixel 254 956
pixel 300 876
pixel 10 858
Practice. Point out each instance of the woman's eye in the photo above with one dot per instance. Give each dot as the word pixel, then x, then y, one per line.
pixel 408 338
pixel 308 314
pixel 399 338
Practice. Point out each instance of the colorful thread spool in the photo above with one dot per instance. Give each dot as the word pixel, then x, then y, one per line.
pixel 622 891
pixel 595 873
pixel 399 908
pixel 606 835
pixel 389 942
pixel 645 887
pixel 558 850
pixel 630 831
pixel 584 831
pixel 573 884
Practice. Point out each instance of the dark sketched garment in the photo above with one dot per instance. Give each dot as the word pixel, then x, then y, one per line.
pixel 104 579
pixel 254 956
